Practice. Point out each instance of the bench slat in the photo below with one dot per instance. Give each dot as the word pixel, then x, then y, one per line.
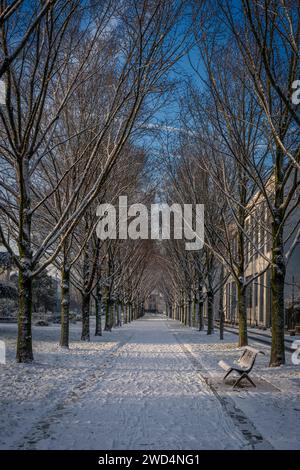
pixel 224 365
pixel 253 350
pixel 248 358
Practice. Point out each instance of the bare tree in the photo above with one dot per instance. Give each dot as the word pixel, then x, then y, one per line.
pixel 258 39
pixel 38 93
pixel 19 19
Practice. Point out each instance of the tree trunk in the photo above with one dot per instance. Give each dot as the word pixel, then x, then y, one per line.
pixel 200 307
pixel 278 271
pixel 112 314
pixel 65 306
pixel 190 311
pixel 241 248
pixel 125 311
pixel 98 308
pixel 242 315
pixel 221 304
pixel 107 326
pixel 195 303
pixel 210 312
pixel 201 319
pixel 24 340
pixel 221 320
pixel 107 316
pixel 119 313
pixel 86 297
pixel 133 311
pixel 122 312
pixel 129 312
pixel 85 310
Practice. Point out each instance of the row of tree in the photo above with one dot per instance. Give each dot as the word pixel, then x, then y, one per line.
pixel 82 80
pixel 238 153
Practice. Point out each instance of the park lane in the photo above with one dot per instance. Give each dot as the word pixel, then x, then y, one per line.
pixel 148 396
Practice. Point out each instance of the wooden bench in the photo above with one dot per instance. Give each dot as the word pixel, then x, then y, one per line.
pixel 242 366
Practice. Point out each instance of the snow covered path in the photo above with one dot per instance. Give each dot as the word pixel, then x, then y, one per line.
pixel 139 387
pixel 150 397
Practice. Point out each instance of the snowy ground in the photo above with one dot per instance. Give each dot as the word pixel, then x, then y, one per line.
pixel 153 384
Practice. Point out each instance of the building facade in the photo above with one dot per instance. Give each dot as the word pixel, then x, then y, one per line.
pixel 257 253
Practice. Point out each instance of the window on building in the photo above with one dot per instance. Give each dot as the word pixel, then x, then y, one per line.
pixel 261 301
pixel 256 241
pixel 248 294
pixel 246 243
pixel 251 237
pixel 262 238
pixel 255 294
pixel 228 299
pixel 268 295
pixel 233 299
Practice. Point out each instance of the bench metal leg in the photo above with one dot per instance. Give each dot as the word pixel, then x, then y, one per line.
pixel 250 380
pixel 227 373
pixel 243 376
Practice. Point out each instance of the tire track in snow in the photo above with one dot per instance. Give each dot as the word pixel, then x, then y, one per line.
pixel 150 395
pixel 42 427
pixel 244 425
